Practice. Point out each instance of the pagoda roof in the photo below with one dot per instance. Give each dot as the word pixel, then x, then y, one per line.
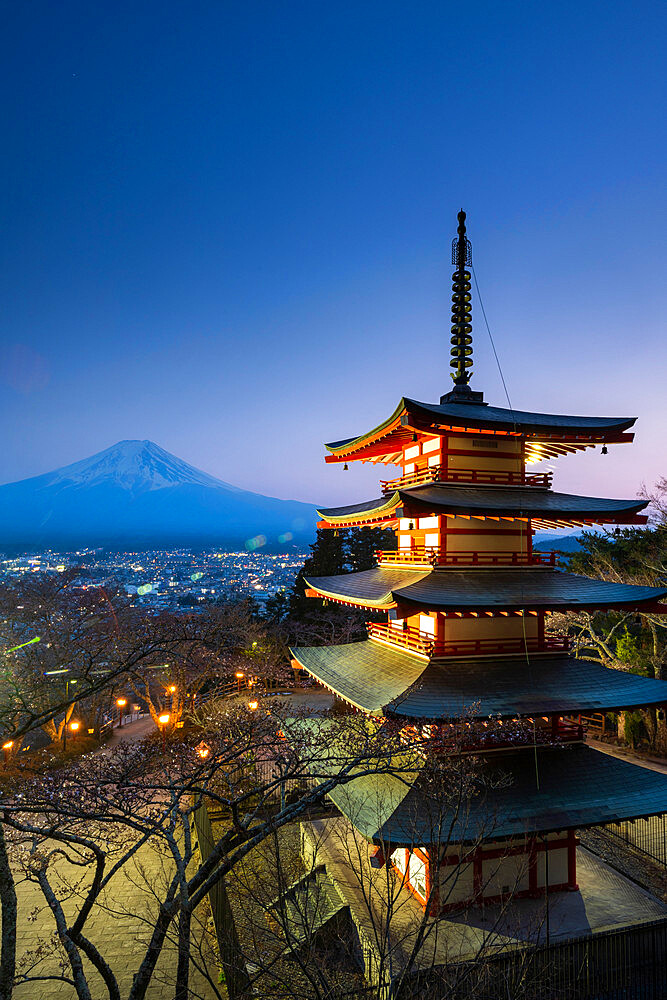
pixel 380 680
pixel 577 787
pixel 453 589
pixel 487 501
pixel 411 414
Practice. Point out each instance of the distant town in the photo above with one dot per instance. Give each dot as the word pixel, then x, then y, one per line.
pixel 169 579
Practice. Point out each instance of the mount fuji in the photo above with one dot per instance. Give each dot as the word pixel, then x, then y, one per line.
pixel 136 494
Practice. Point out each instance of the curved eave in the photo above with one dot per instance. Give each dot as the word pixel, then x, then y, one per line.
pixel 383 441
pixel 380 680
pixel 512 688
pixel 476 416
pixel 517 502
pixel 456 590
pixel 380 509
pixel 361 673
pixel 350 445
pixel 532 589
pixel 577 787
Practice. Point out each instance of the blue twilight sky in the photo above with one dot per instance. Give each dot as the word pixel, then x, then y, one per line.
pixel 226 227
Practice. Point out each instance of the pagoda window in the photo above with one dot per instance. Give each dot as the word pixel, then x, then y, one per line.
pixel 427 624
pixel 417 874
pixel 428 522
pixel 434 461
pixel 429 446
pixel 410 467
pixel 404 523
pixel 432 540
pixel 399 859
pixel 411 452
pixel 405 541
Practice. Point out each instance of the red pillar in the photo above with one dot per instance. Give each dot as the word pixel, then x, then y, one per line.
pixel 433 881
pixel 571 860
pixel 532 868
pixel 477 873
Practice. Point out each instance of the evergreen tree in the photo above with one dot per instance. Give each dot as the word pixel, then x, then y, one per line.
pixel 363 543
pixel 328 557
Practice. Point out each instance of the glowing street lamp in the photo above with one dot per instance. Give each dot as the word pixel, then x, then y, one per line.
pixel 239 677
pixel 203 749
pixel 6 747
pixel 73 728
pixel 253 705
pixel 121 702
pixel 164 722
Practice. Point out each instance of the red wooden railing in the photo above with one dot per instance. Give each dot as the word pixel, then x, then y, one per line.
pixel 493 735
pixel 434 555
pixel 438 473
pixel 475 647
pixel 416 641
pixel 406 637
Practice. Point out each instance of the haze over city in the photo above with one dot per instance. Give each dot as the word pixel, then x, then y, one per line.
pixel 230 233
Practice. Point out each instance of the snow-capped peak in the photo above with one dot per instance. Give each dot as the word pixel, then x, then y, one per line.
pixel 137 466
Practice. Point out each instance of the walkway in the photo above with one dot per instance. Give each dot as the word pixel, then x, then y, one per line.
pixel 623 753
pixel 120 925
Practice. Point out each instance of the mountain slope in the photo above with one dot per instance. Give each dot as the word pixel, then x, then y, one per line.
pixel 136 493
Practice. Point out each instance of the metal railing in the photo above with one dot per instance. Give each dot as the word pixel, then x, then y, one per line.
pixel 627 963
pixel 436 555
pixel 649 836
pixel 416 641
pixel 438 473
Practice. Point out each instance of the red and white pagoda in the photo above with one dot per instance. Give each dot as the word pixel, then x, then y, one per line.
pixel 468 604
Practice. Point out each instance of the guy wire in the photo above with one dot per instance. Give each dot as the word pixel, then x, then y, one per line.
pixel 511 408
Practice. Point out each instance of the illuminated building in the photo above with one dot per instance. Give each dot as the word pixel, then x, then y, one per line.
pixel 467 634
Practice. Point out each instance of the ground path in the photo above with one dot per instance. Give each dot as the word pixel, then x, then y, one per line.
pixel 120 924
pixel 625 753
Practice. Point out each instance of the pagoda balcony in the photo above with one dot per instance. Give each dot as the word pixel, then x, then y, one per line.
pixel 435 555
pixel 438 474
pixel 421 643
pixel 501 734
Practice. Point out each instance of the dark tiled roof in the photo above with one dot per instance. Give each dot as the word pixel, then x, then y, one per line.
pixel 448 689
pixel 367 506
pixel 374 678
pixel 474 589
pixel 370 587
pixel 479 415
pixel 364 673
pixel 516 502
pixel 497 501
pixel 476 414
pixel 577 787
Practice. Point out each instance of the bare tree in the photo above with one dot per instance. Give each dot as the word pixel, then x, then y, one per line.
pixel 98 813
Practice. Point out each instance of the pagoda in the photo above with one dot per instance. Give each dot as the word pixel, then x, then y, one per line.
pixel 468 602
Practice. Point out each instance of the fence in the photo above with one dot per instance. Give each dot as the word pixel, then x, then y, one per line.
pixel 646 835
pixel 623 964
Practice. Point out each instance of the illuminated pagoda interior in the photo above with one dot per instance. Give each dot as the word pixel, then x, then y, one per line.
pixel 468 603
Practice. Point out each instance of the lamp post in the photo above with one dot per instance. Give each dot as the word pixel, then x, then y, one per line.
pixel 73 727
pixel 121 702
pixel 203 750
pixel 239 677
pixel 6 747
pixel 164 722
pixel 253 705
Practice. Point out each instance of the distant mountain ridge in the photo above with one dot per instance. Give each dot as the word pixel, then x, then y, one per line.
pixel 137 494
